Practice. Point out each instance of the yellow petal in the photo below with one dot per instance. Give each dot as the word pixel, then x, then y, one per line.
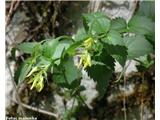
pixel 88 42
pixel 32 71
pixel 40 85
pixel 89 60
pixel 34 84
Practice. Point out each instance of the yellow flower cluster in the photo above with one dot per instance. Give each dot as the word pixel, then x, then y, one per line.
pixel 88 43
pixel 85 57
pixel 85 60
pixel 35 77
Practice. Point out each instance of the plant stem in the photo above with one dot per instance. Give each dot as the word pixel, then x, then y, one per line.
pixel 123 70
pixel 37 109
pixel 71 109
pixel 141 113
pixel 72 104
pixel 124 99
pixel 83 101
pixel 15 88
pixel 120 76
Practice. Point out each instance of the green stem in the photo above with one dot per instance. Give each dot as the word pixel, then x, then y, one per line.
pixel 123 71
pixel 83 101
pixel 121 74
pixel 138 61
pixel 67 37
pixel 73 105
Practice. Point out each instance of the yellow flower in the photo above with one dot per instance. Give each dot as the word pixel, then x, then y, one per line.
pixel 88 42
pixel 85 60
pixel 35 77
pixel 40 84
pixel 35 69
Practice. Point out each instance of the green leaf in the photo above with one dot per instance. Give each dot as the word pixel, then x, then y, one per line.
pixel 27 47
pixel 71 71
pixel 54 48
pixel 101 74
pixel 81 34
pixel 77 90
pixel 69 74
pixel 147 8
pixel 117 52
pixel 96 23
pixel 137 46
pixel 106 59
pixel 49 47
pixel 37 51
pixel 13 53
pixel 113 38
pixel 59 79
pixel 115 49
pixel 73 48
pixel 43 61
pixel 22 71
pixel 145 62
pixel 119 24
pixel 141 25
pixel 63 45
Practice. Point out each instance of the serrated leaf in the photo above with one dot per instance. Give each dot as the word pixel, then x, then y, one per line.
pixel 27 47
pixel 101 74
pixel 117 52
pixel 141 25
pixel 106 59
pixel 137 46
pixel 96 23
pixel 119 24
pixel 113 38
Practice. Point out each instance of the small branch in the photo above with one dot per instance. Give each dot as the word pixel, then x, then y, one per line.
pixel 15 87
pixel 73 104
pixel 72 108
pixel 124 99
pixel 38 110
pixel 141 107
pixel 13 7
pixel 138 61
pixel 84 102
pixel 121 74
pixel 8 17
pixel 123 70
pixel 141 113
